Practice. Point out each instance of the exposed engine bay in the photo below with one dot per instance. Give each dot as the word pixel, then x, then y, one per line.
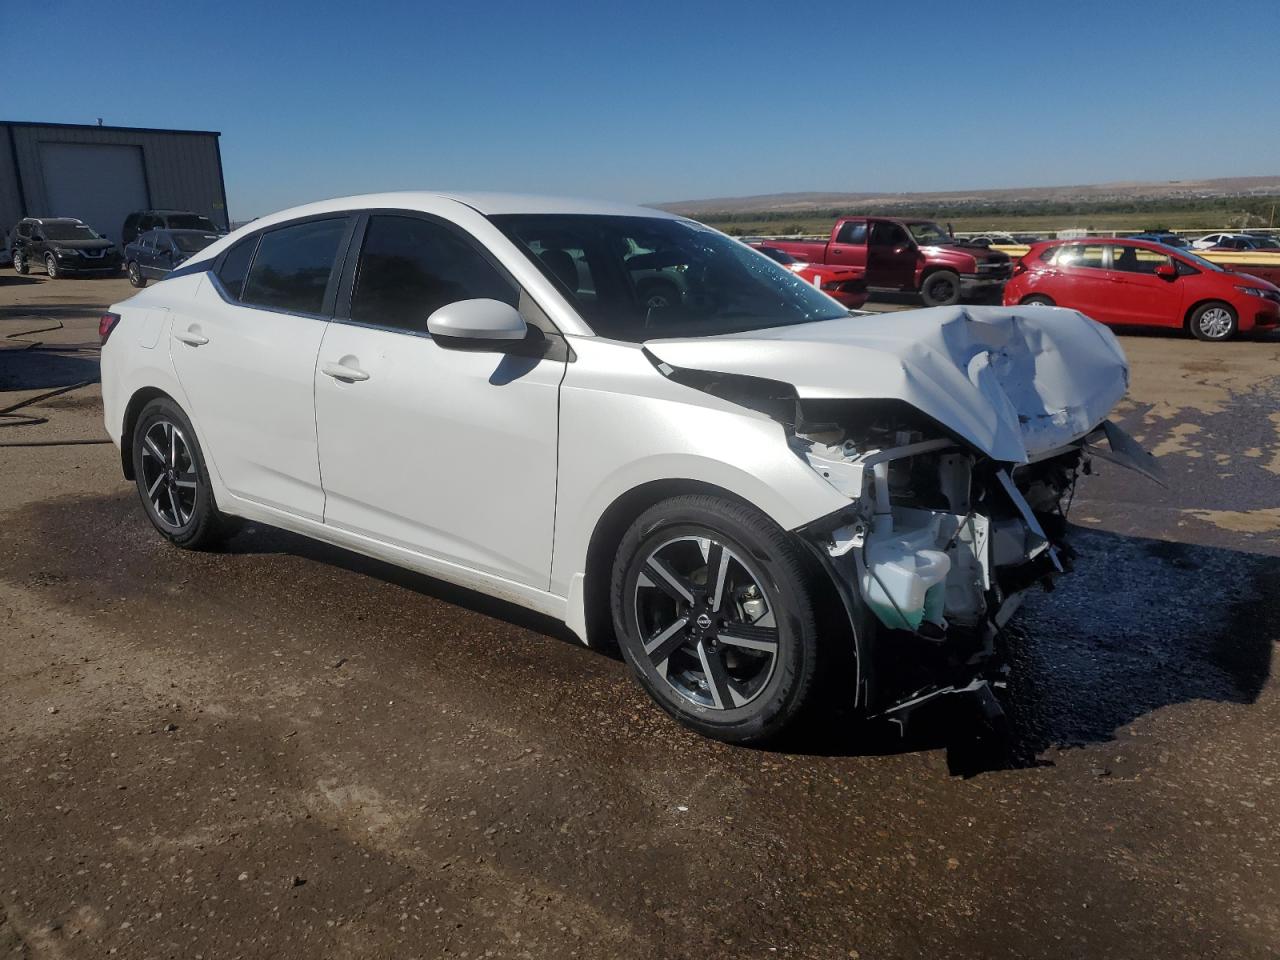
pixel 959 461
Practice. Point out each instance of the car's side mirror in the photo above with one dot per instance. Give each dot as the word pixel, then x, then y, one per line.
pixel 1167 271
pixel 477 325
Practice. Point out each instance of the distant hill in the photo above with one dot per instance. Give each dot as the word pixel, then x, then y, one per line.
pixel 784 203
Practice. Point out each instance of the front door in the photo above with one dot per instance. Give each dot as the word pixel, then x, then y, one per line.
pixel 1140 296
pixel 448 453
pixel 891 256
pixel 245 353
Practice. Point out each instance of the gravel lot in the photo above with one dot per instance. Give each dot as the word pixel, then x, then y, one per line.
pixel 284 750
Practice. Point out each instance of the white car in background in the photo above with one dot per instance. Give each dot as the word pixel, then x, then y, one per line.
pixel 756 493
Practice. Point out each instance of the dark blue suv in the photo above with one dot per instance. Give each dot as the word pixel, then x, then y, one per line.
pixel 153 254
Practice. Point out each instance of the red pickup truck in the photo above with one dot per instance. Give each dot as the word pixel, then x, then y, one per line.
pixel 910 255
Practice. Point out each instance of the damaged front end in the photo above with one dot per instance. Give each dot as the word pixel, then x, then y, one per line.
pixel 959 461
pixel 938 545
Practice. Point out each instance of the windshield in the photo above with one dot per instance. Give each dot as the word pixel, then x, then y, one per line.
pixel 643 278
pixel 68 231
pixel 927 233
pixel 193 242
pixel 188 221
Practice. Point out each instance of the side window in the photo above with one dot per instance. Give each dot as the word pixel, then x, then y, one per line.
pixel 1137 259
pixel 855 231
pixel 1082 255
pixel 887 235
pixel 410 267
pixel 24 230
pixel 1047 255
pixel 292 268
pixel 235 266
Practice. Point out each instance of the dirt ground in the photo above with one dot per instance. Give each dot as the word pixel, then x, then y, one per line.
pixel 283 750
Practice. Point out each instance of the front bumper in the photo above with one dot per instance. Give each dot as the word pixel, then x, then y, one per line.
pixel 972 283
pixel 112 263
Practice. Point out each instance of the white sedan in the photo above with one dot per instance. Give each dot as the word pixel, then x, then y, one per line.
pixel 765 500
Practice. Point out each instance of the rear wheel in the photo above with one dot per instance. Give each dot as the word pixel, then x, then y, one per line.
pixel 51 266
pixel 714 610
pixel 1214 321
pixel 172 479
pixel 940 289
pixel 1039 298
pixel 20 264
pixel 135 275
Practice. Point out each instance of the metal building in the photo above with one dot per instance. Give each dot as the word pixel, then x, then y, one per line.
pixel 101 174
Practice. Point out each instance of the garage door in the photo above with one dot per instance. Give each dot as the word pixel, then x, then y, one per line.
pixel 98 183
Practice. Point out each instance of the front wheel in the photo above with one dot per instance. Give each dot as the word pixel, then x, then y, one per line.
pixel 20 262
pixel 714 609
pixel 135 275
pixel 172 478
pixel 51 266
pixel 1038 299
pixel 1214 321
pixel 940 289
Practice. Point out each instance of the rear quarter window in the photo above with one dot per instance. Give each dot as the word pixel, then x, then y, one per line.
pixel 235 266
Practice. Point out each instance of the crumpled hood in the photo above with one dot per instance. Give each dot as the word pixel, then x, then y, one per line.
pixel 1013 381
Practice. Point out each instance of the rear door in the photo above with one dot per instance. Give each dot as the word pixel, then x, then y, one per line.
pixel 891 256
pixel 448 453
pixel 1139 295
pixel 245 351
pixel 1083 281
pixel 849 248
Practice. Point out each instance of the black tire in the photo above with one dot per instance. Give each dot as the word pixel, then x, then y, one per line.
pixel 659 295
pixel 1039 298
pixel 51 266
pixel 199 524
pixel 765 566
pixel 1214 321
pixel 940 289
pixel 20 264
pixel 135 274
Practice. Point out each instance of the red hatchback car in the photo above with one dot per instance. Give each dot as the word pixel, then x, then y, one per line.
pixel 1138 283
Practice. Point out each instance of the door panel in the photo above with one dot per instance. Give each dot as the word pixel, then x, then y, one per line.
pixel 250 387
pixel 1140 296
pixel 849 248
pixel 891 256
pixel 445 452
pixel 1083 283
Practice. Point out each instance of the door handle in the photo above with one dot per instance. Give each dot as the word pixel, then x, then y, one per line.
pixel 191 339
pixel 340 371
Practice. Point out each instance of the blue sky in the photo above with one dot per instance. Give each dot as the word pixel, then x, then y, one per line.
pixel 652 101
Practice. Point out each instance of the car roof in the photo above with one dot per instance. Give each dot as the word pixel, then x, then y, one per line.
pixel 54 220
pixel 488 204
pixel 1123 241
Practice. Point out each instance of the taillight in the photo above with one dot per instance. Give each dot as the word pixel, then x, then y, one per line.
pixel 106 324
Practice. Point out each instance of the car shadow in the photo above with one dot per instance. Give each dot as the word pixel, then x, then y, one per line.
pixel 17 280
pixel 254 538
pixel 1138 626
pixel 26 369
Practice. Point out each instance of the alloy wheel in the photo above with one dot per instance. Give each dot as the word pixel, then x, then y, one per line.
pixel 1215 323
pixel 706 621
pixel 51 266
pixel 169 473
